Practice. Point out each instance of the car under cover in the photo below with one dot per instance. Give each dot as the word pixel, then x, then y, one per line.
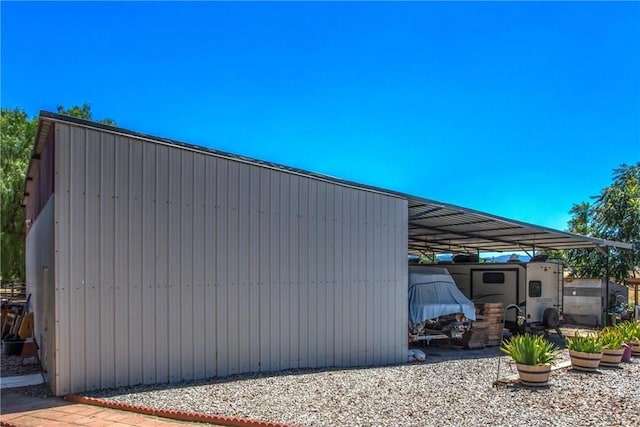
pixel 433 293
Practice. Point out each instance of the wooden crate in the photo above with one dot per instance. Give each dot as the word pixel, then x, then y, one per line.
pixel 487 329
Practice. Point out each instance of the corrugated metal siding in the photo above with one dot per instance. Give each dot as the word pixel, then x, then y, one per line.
pixel 175 265
pixel 40 259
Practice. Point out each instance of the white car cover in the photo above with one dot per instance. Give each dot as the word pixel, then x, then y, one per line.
pixel 433 293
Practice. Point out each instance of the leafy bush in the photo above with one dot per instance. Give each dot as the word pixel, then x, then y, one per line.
pixel 586 344
pixel 530 349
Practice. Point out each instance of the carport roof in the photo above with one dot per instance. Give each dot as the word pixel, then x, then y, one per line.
pixel 433 226
pixel 444 228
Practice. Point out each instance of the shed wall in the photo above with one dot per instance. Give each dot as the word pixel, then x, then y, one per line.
pixel 40 264
pixel 178 265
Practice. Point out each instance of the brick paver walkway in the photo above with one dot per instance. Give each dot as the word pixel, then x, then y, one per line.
pixel 23 411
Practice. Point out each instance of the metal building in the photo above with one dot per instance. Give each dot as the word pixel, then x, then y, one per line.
pixel 154 261
pixel 151 261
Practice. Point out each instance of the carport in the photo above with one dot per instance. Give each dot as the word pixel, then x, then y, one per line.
pixel 437 228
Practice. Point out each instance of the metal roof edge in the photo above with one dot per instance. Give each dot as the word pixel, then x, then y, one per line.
pixel 597 241
pixel 36 151
pixel 55 117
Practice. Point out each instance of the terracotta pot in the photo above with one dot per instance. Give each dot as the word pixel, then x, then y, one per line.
pixel 585 361
pixel 611 358
pixel 534 375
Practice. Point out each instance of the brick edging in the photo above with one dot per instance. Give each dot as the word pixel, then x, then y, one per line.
pixel 7 424
pixel 172 414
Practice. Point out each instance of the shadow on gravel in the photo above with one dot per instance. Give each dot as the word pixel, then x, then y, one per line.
pixel 586 373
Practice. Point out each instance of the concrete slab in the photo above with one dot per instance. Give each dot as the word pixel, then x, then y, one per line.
pixel 21 381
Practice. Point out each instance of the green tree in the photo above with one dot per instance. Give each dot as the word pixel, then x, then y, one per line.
pixel 17 134
pixel 614 215
pixel 83 112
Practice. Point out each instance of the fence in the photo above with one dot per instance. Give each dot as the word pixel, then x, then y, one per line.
pixel 13 291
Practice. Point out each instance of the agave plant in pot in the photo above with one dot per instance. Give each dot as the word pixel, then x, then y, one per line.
pixel 613 347
pixel 533 355
pixel 585 351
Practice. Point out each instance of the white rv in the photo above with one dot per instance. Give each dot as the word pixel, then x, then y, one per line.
pixel 535 287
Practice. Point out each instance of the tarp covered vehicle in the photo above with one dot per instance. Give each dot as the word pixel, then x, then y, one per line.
pixel 436 305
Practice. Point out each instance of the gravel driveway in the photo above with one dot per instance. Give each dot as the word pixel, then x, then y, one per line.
pixel 451 388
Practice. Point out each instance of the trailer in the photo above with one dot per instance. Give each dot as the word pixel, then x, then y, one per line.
pixel 534 290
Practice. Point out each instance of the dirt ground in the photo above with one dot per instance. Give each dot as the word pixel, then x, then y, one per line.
pixel 11 366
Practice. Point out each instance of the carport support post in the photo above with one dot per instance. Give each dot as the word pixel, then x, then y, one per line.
pixel 607 320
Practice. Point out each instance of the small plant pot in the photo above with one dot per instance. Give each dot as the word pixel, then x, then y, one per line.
pixel 587 362
pixel 635 348
pixel 626 355
pixel 534 375
pixel 611 358
pixel 12 346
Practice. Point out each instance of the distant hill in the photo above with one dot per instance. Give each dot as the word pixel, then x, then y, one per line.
pixel 496 259
pixel 505 258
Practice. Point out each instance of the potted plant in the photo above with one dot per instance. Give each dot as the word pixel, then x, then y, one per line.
pixel 613 346
pixel 631 336
pixel 585 351
pixel 533 355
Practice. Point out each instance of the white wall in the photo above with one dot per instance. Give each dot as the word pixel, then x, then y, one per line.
pixel 177 265
pixel 39 275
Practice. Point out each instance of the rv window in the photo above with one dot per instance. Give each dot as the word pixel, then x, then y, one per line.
pixel 535 289
pixel 493 277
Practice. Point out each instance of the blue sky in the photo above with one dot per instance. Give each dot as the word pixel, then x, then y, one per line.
pixel 517 109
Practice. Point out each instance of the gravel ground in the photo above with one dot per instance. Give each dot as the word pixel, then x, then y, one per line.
pixel 11 366
pixel 451 388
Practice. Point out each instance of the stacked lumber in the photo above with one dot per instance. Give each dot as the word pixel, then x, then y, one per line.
pixel 486 331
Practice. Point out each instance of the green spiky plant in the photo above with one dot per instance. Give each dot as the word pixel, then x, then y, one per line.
pixel 629 330
pixel 611 337
pixel 589 343
pixel 530 349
